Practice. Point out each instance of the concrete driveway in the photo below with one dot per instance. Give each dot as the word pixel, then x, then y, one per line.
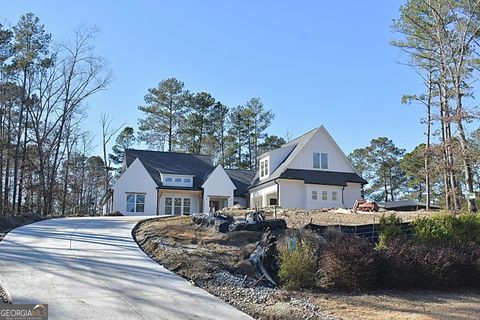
pixel 91 268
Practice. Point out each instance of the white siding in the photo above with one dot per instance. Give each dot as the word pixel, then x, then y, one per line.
pixel 259 196
pixel 292 194
pixel 218 184
pixel 321 142
pixel 352 193
pixel 135 179
pixel 320 203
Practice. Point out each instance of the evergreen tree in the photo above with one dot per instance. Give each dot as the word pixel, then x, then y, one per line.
pixel 164 111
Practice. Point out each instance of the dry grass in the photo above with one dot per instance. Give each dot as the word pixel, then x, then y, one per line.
pixel 196 253
pixel 401 305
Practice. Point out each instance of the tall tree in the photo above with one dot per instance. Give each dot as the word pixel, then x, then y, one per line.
pixel 198 122
pixel 445 34
pixel 257 120
pixel 164 111
pixel 219 132
pixel 270 142
pixel 125 140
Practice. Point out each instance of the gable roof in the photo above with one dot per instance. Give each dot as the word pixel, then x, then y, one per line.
pixel 197 165
pixel 299 143
pixel 241 179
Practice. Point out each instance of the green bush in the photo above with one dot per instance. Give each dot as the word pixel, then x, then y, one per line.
pixel 390 228
pixel 463 228
pixel 298 267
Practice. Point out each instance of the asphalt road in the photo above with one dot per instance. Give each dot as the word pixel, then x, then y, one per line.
pixel 91 268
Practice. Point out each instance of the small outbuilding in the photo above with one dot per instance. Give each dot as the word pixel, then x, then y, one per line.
pixel 406 205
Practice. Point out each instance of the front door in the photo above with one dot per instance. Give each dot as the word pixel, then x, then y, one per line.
pixel 214 205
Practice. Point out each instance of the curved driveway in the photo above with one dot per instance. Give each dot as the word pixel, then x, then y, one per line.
pixel 91 268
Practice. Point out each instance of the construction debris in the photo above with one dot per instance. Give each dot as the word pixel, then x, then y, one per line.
pixel 365 206
pixel 254 221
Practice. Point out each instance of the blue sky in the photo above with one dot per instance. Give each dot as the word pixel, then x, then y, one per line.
pixel 311 62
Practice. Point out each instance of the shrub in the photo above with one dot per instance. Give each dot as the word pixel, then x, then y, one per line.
pixel 332 234
pixel 390 228
pixel 348 263
pixel 298 267
pixel 463 228
pixel 421 266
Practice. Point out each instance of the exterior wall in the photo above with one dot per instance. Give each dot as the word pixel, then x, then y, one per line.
pixel 323 143
pixel 135 179
pixel 259 195
pixel 292 194
pixel 319 203
pixel 352 193
pixel 218 184
pixel 194 200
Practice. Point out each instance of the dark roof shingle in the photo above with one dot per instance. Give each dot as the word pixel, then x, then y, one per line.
pixel 172 163
pixel 333 178
pixel 241 179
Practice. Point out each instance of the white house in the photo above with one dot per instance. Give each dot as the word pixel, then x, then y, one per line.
pixel 164 183
pixel 309 172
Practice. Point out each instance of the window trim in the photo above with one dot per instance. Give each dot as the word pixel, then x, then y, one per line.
pixel 264 172
pixel 334 196
pixel 315 160
pixel 314 195
pixel 324 195
pixel 324 156
pixel 135 202
pixel 169 209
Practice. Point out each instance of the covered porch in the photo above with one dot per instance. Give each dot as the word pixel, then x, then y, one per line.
pixel 264 197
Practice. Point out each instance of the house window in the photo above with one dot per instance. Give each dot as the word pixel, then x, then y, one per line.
pixel 324 160
pixel 314 195
pixel 263 168
pixel 187 180
pixel 135 203
pixel 186 206
pixel 324 196
pixel 178 180
pixel 316 160
pixel 334 195
pixel 168 205
pixel 177 206
pixel 168 179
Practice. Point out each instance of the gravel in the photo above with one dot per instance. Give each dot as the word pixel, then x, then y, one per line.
pixel 234 290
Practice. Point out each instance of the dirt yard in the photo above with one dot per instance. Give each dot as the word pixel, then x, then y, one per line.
pixel 208 259
pixel 298 218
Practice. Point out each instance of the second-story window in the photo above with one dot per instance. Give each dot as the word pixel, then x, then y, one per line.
pixel 324 160
pixel 316 160
pixel 263 168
